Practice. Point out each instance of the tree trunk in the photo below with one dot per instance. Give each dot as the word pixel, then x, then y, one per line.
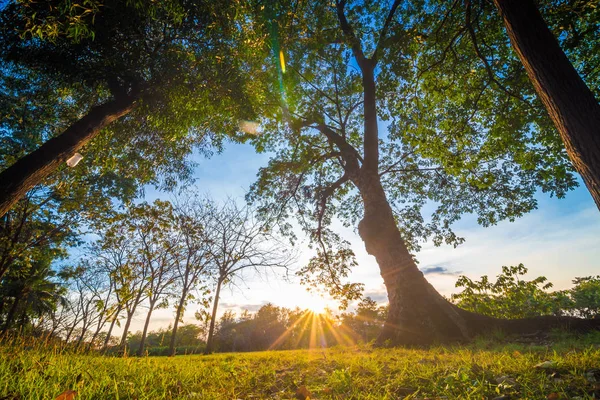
pixel 94 336
pixel 130 314
pixel 417 314
pixel 126 328
pixel 81 337
pixel 176 323
pixel 145 332
pixel 69 333
pixel 11 314
pixel 31 169
pixel 570 103
pixel 110 329
pixel 211 330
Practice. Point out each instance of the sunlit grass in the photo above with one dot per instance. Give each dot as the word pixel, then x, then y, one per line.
pixel 482 370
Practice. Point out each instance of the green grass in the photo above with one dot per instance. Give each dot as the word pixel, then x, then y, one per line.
pixel 482 370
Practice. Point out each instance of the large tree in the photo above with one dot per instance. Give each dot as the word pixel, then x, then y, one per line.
pixel 570 103
pixel 176 63
pixel 351 70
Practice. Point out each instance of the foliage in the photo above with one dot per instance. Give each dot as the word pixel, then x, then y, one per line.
pixel 366 322
pixel 182 59
pixel 189 339
pixel 485 370
pixel 452 141
pixel 512 297
pixel 585 297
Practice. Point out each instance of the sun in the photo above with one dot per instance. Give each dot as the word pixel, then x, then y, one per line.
pixel 316 305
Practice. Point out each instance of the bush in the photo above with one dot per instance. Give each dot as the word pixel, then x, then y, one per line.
pixel 510 296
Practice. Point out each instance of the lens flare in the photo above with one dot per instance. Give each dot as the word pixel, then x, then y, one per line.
pixel 282 61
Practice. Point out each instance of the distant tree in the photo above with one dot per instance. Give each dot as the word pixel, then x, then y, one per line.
pixel 193 259
pixel 32 295
pixel 156 242
pixel 239 241
pixel 367 321
pixel 585 297
pixel 120 241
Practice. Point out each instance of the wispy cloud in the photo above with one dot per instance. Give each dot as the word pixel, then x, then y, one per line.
pixel 379 295
pixel 439 270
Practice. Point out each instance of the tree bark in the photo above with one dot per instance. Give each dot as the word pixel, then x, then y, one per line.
pixel 30 170
pixel 11 314
pixel 569 102
pixel 145 332
pixel 126 328
pixel 110 329
pixel 176 323
pixel 211 330
pixel 417 313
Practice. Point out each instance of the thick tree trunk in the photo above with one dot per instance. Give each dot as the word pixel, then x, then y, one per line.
pixel 417 313
pixel 570 103
pixel 31 170
pixel 145 332
pixel 213 318
pixel 176 323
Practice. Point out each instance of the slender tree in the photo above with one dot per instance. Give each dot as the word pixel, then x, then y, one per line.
pixel 238 242
pixel 193 260
pixel 156 243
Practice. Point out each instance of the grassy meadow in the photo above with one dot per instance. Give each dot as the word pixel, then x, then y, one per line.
pixel 561 367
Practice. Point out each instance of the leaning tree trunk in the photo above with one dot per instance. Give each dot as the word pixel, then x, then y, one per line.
pixel 176 323
pixel 211 330
pixel 417 314
pixel 145 332
pixel 126 328
pixel 31 169
pixel 570 103
pixel 110 329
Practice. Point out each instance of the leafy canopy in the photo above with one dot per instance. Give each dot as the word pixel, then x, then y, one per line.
pixel 452 140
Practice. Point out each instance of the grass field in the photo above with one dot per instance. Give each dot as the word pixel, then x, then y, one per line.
pixel 486 369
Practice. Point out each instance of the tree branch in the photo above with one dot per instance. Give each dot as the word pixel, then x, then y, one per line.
pixel 486 64
pixel 349 153
pixel 349 33
pixel 384 30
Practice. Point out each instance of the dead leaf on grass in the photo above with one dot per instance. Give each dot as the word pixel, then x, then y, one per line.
pixel 67 395
pixel 302 393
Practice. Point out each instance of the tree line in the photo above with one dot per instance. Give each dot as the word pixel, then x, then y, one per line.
pixel 148 257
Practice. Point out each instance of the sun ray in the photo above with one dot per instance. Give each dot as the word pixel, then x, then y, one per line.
pixel 288 331
pixel 338 335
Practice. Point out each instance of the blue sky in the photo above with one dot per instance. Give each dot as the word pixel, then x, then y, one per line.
pixel 560 240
